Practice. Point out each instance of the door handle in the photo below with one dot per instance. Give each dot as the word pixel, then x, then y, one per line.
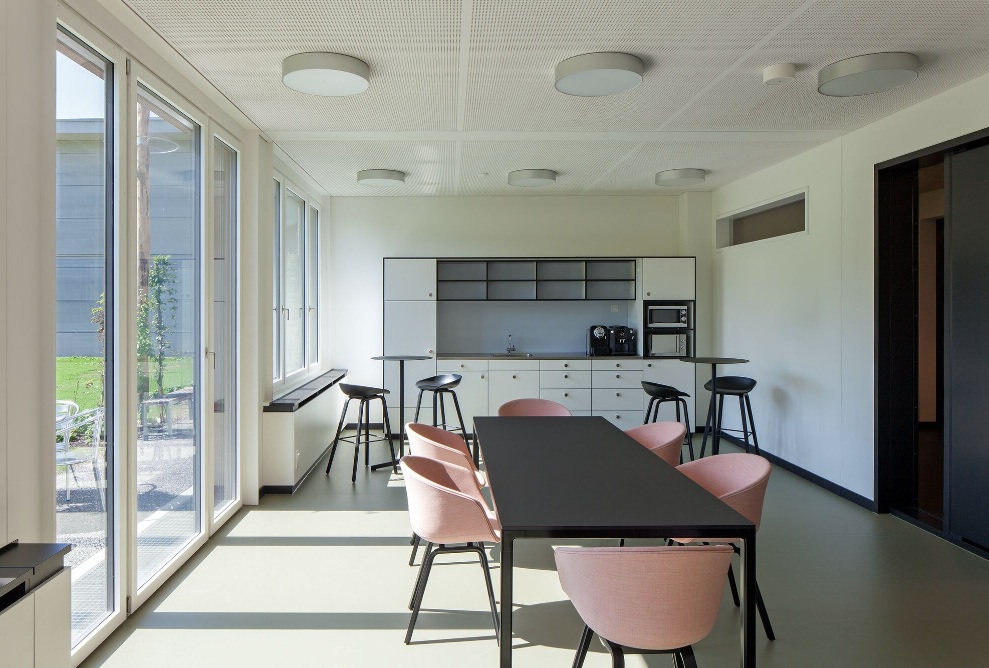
pixel 212 355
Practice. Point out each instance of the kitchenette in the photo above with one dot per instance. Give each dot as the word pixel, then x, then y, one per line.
pixel 583 332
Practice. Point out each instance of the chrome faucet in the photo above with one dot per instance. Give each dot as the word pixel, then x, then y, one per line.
pixel 511 346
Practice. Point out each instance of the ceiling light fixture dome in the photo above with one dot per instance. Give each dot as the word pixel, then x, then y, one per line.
pixel 327 74
pixel 867 74
pixel 380 177
pixel 531 178
pixel 778 74
pixel 597 74
pixel 688 176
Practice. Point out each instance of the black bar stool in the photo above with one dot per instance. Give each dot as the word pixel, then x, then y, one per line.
pixel 365 395
pixel 737 386
pixel 441 386
pixel 661 394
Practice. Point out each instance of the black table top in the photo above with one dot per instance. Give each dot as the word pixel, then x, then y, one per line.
pixel 713 360
pixel 32 555
pixel 584 477
pixel 401 358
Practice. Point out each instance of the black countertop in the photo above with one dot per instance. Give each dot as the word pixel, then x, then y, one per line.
pixel 295 399
pixel 23 566
pixel 528 356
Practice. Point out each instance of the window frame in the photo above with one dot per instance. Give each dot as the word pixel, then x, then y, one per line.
pixel 281 378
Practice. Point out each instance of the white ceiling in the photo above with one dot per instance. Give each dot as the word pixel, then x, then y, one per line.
pixel 462 90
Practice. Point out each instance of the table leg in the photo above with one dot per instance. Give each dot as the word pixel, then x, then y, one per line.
pixel 716 433
pixel 401 408
pixel 747 594
pixel 505 650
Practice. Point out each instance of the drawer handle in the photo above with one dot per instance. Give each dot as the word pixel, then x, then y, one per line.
pixel 618 366
pixel 430 294
pixel 566 375
pixel 514 376
pixel 566 394
pixel 618 394
pixel 618 375
pixel 649 365
pixel 618 417
pixel 482 376
pixel 461 366
pixel 565 366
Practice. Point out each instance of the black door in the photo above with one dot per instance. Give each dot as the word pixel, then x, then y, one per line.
pixel 967 397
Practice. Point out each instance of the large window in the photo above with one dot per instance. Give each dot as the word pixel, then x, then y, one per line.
pixel 295 336
pixel 169 343
pixel 84 327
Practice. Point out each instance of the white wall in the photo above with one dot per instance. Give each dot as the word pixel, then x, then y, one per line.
pixel 27 261
pixel 364 230
pixel 802 308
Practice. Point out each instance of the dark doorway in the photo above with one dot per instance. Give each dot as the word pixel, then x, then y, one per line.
pixel 910 342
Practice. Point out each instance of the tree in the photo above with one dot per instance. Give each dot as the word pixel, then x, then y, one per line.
pixel 155 315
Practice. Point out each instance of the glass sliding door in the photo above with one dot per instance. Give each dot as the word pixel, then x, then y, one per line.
pixel 169 325
pixel 276 283
pixel 224 331
pixel 84 443
pixel 312 287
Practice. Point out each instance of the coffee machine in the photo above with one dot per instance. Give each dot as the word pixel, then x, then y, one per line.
pixel 621 340
pixel 599 340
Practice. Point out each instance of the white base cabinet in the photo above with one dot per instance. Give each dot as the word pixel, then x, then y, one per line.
pixel 36 630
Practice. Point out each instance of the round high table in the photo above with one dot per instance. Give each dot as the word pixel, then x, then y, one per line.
pixel 713 417
pixel 401 359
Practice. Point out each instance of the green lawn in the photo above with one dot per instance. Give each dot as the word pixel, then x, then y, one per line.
pixel 78 379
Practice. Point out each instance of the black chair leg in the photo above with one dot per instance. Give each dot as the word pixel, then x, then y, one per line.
pixel 391 445
pixel 652 400
pixel 336 438
pixel 690 432
pixel 687 657
pixel 422 569
pixel 460 418
pixel 582 647
pixel 441 398
pixel 716 433
pixel 418 406
pixel 617 655
pixel 415 548
pixel 709 425
pixel 734 586
pixel 427 564
pixel 761 605
pixel 357 439
pixel 755 439
pixel 745 423
pixel 367 431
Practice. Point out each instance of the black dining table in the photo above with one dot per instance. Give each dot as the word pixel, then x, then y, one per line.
pixel 582 477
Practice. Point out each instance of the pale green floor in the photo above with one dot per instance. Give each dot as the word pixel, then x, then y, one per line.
pixel 320 579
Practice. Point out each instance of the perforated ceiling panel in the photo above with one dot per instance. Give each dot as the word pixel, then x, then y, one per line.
pixel 465 87
pixel 951 38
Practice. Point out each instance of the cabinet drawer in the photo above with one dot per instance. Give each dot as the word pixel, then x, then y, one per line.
pixel 617 378
pixel 622 419
pixel 574 400
pixel 565 365
pixel 565 378
pixel 460 366
pixel 513 365
pixel 616 399
pixel 618 363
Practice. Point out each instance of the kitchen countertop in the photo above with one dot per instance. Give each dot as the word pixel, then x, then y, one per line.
pixel 529 356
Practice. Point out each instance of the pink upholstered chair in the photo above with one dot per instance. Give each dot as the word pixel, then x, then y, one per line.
pixel 663 439
pixel 443 445
pixel 446 508
pixel 532 407
pixel 651 600
pixel 740 480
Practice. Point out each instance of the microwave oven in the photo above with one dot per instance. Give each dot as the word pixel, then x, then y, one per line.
pixel 667 316
pixel 667 344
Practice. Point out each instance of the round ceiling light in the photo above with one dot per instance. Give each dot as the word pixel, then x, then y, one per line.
pixel 530 178
pixel 867 74
pixel 777 74
pixel 328 74
pixel 380 177
pixel 597 74
pixel 680 177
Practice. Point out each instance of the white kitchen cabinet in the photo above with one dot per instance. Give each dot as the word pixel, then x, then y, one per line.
pixel 576 400
pixel 410 279
pixel 17 633
pixel 410 329
pixel 668 278
pixel 621 419
pixel 52 622
pixel 510 380
pixel 472 392
pixel 616 399
pixel 677 374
